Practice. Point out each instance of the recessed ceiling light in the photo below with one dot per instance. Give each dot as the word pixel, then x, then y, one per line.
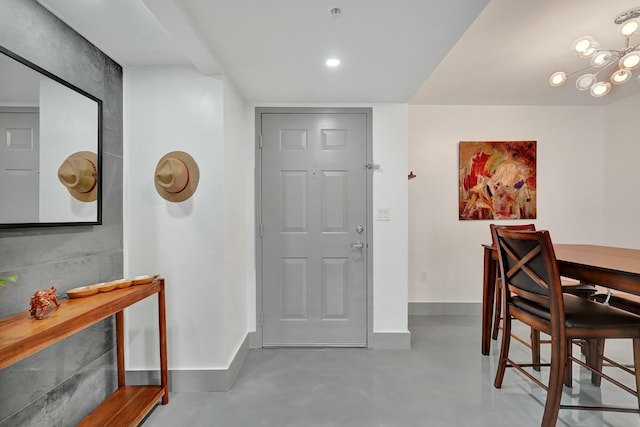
pixel 333 62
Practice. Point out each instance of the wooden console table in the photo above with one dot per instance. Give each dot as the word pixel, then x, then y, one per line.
pixel 22 336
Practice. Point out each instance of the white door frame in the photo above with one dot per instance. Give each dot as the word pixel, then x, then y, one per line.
pixel 258 206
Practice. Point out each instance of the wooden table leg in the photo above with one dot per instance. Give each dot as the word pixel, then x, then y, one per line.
pixel 162 318
pixel 488 293
pixel 120 348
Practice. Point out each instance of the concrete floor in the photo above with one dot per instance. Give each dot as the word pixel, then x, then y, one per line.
pixel 442 381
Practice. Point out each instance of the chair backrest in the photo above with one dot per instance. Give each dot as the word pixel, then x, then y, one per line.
pixel 529 268
pixel 521 227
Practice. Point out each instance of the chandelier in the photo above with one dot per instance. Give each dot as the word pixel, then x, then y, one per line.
pixel 607 66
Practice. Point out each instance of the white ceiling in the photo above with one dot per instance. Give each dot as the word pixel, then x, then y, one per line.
pixel 417 51
pixel 508 54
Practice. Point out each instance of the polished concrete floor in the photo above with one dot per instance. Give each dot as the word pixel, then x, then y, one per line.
pixel 442 381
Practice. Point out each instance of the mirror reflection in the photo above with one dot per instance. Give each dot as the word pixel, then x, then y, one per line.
pixel 43 121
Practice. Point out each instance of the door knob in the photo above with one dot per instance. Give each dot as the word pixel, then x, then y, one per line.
pixel 357 245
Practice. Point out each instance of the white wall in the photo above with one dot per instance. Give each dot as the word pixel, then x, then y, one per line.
pixel 621 157
pixel 204 247
pixel 390 238
pixel 68 123
pixel 239 258
pixel 570 189
pixel 167 109
pixel 390 145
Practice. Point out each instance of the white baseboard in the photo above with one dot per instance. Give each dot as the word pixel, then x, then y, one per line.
pixel 183 380
pixel 392 340
pixel 381 340
pixel 253 340
pixel 445 308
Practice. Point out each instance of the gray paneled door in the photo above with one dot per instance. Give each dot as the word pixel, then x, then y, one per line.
pixel 314 218
pixel 19 166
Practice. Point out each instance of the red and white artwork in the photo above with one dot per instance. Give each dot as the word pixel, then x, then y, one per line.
pixel 497 180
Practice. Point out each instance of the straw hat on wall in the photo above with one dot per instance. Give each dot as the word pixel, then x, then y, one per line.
pixel 79 173
pixel 176 176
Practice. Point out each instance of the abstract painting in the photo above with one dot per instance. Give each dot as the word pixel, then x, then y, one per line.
pixel 497 180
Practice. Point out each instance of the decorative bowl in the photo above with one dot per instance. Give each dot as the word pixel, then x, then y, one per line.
pixel 143 280
pixel 123 283
pixel 83 291
pixel 106 286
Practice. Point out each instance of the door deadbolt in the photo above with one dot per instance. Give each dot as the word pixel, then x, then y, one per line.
pixel 359 229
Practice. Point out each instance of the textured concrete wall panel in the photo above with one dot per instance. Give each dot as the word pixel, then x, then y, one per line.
pixel 60 385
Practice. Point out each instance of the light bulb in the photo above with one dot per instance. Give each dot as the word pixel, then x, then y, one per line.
pixel 592 49
pixel 600 89
pixel 333 62
pixel 601 58
pixel 558 78
pixel 582 44
pixel 621 76
pixel 629 28
pixel 630 61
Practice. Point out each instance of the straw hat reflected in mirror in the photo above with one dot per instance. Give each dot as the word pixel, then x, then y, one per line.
pixel 176 176
pixel 79 173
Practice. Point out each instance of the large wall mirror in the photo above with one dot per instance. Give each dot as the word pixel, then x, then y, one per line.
pixel 44 121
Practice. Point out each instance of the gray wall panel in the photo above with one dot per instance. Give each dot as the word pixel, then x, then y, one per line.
pixel 112 109
pixel 61 406
pixel 60 385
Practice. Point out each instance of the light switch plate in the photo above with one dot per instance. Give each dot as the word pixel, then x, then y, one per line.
pixel 383 214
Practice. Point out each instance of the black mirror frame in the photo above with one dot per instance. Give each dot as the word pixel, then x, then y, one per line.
pixel 98 101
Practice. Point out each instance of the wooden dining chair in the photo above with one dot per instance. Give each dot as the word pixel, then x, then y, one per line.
pixel 497 314
pixel 534 342
pixel 533 294
pixel 622 301
pixel 580 289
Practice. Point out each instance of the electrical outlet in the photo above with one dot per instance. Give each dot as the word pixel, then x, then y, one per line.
pixel 423 275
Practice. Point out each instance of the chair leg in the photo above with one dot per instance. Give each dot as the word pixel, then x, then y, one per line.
pixel 589 349
pixel 556 376
pixel 595 360
pixel 504 350
pixel 636 365
pixel 568 370
pixel 498 311
pixel 535 349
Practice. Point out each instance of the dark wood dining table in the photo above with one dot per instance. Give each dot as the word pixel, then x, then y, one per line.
pixel 611 267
